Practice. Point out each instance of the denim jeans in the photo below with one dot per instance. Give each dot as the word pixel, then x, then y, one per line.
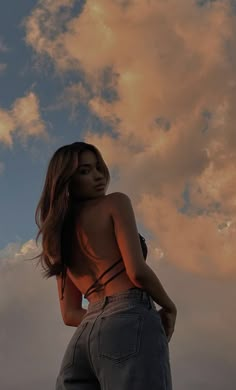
pixel 119 345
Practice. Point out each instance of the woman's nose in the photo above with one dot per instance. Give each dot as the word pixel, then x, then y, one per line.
pixel 98 176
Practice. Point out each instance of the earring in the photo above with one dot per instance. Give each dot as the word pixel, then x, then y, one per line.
pixel 67 194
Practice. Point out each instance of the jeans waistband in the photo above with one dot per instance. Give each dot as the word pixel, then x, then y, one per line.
pixel 130 296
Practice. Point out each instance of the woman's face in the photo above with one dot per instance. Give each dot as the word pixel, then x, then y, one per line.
pixel 87 177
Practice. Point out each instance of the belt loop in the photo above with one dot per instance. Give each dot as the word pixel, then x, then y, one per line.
pixel 148 299
pixel 145 298
pixel 104 301
pixel 150 302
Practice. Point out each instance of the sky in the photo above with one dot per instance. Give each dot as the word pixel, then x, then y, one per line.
pixel 152 84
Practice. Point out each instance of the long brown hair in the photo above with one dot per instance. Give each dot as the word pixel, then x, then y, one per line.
pixel 54 211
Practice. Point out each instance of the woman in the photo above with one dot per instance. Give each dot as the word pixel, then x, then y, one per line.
pixel 121 340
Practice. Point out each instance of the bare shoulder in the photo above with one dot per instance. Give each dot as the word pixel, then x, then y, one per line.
pixel 120 203
pixel 120 198
pixel 117 194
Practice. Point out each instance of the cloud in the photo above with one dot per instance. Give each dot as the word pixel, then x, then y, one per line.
pixel 33 334
pixel 171 66
pixel 29 318
pixel 23 119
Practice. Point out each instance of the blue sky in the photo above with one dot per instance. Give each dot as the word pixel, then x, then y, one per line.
pixel 152 85
pixel 22 179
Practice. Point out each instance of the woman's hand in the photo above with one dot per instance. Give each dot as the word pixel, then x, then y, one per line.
pixel 168 318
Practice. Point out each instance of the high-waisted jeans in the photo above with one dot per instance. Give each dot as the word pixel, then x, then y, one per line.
pixel 119 345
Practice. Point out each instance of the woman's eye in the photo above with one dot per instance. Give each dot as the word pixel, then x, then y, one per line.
pixel 87 170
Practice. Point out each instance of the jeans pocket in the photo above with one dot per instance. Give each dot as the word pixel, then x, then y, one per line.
pixel 119 336
pixel 69 355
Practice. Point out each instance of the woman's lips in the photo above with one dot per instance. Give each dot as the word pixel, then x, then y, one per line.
pixel 100 187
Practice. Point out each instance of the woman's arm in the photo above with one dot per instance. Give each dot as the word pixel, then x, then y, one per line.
pixel 72 300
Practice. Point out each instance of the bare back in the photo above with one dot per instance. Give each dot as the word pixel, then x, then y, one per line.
pixel 95 249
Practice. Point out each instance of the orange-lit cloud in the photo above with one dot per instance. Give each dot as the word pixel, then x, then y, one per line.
pixel 173 69
pixel 24 119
